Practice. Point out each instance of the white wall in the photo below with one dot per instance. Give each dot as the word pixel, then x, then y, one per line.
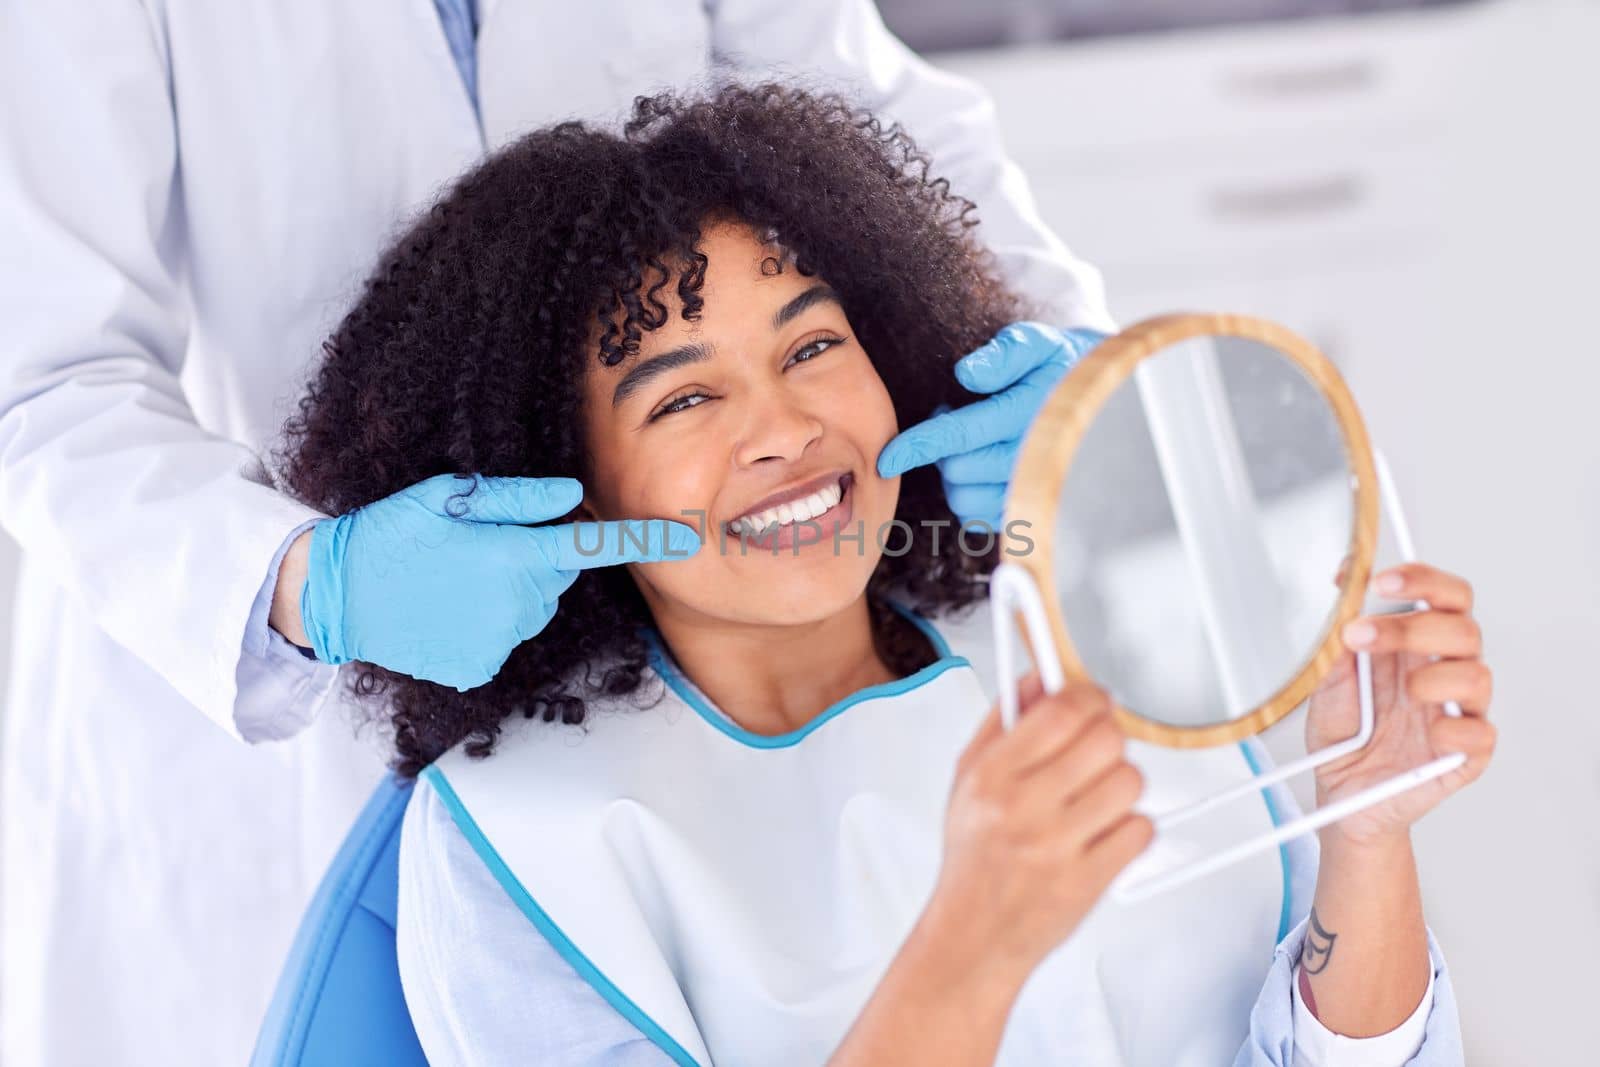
pixel 8 584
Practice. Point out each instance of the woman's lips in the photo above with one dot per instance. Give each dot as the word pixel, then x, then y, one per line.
pixel 822 529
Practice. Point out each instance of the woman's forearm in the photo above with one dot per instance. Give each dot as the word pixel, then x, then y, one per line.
pixel 940 1004
pixel 1366 947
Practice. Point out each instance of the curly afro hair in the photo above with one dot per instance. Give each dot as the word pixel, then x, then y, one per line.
pixel 467 348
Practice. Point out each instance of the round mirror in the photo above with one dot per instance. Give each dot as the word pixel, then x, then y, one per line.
pixel 1200 495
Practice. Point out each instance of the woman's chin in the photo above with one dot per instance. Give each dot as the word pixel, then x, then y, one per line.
pixel 784 596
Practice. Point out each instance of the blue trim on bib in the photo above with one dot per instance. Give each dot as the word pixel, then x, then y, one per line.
pixel 1283 847
pixel 546 926
pixel 662 662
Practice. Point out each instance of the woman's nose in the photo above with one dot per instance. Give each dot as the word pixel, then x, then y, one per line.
pixel 777 429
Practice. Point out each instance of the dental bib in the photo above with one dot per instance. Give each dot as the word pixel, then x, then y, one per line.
pixel 739 897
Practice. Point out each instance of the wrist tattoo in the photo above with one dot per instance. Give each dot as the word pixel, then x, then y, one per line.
pixel 1318 947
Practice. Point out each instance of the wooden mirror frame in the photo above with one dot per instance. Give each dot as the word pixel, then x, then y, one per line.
pixel 1052 442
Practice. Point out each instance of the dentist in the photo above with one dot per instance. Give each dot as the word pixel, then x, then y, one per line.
pixel 188 195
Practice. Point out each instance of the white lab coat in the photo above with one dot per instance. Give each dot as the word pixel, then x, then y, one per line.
pixel 190 195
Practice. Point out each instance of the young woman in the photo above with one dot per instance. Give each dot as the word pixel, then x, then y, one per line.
pixel 753 805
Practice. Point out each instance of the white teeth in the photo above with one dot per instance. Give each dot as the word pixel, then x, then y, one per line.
pixel 802 510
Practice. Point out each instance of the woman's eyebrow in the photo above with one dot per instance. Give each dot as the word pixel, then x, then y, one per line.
pixel 694 352
pixel 671 359
pixel 817 294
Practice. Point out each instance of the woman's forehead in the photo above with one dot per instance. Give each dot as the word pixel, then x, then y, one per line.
pixel 749 277
pixel 737 254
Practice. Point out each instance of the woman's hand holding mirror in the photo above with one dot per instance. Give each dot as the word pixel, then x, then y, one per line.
pixel 1420 660
pixel 1040 821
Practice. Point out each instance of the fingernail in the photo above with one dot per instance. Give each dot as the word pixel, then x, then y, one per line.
pixel 1389 582
pixel 1359 633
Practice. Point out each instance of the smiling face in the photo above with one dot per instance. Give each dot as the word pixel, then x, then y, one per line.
pixel 763 412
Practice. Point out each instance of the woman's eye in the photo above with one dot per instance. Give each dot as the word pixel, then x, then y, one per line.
pixel 809 351
pixel 681 403
pixel 814 348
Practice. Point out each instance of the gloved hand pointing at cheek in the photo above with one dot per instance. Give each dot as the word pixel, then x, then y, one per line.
pixel 976 446
pixel 443 586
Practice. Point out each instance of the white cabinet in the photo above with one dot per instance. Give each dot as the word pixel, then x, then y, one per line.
pixel 1300 171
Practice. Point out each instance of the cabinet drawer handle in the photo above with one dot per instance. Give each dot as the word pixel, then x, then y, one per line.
pixel 1317 196
pixel 1347 76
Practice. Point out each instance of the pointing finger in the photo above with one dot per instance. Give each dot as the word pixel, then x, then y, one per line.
pixel 906 450
pixel 998 418
pixel 582 545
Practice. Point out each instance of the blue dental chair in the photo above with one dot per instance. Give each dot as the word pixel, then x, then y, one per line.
pixel 338 1002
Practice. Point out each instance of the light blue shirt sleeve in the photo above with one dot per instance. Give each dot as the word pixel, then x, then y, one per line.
pixel 1272 1021
pixel 459 21
pixel 280 688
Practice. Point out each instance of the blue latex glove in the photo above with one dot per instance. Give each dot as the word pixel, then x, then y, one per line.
pixel 976 446
pixel 445 589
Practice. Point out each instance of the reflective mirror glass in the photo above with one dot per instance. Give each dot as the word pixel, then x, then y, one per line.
pixel 1202 531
